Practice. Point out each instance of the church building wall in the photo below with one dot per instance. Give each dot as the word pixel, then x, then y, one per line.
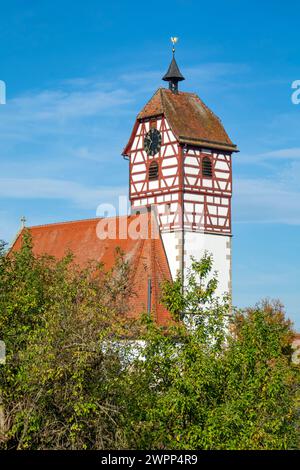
pixel 195 245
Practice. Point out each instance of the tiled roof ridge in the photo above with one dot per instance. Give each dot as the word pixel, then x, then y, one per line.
pixel 153 275
pixel 65 222
pixel 197 97
pixel 157 92
pixel 164 270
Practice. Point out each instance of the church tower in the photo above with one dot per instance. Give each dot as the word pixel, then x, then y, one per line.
pixel 180 162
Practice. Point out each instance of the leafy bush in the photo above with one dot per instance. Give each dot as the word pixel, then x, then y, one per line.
pixel 60 377
pixel 216 378
pixel 224 382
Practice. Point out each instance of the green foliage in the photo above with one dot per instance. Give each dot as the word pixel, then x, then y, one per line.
pixel 198 291
pixel 227 382
pixel 59 381
pixel 74 378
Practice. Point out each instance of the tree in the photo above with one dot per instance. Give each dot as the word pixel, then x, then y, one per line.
pixel 77 378
pixel 227 382
pixel 60 379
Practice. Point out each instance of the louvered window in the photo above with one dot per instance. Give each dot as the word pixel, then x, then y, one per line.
pixel 153 171
pixel 207 167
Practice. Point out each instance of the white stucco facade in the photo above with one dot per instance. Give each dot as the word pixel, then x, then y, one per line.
pixel 195 244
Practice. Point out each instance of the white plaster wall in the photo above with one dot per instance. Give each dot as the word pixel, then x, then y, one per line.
pixel 195 244
pixel 170 242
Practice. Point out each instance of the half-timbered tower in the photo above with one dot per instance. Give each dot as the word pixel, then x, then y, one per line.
pixel 180 162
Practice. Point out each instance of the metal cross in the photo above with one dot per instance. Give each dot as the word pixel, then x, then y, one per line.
pixel 23 220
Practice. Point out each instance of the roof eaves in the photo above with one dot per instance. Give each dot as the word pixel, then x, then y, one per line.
pixel 152 115
pixel 128 146
pixel 140 115
pixel 17 236
pixel 207 143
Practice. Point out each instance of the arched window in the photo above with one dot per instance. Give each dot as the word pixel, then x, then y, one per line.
pixel 153 171
pixel 207 167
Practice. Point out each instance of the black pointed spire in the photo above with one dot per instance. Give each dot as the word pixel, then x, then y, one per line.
pixel 173 75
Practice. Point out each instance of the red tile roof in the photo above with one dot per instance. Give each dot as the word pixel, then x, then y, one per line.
pixel 147 256
pixel 190 119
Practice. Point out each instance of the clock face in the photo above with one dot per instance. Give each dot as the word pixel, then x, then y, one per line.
pixel 152 141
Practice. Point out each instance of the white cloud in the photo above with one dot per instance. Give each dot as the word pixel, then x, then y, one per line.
pixel 290 153
pixel 216 70
pixel 65 109
pixel 205 71
pixel 46 188
pixel 286 154
pixel 94 154
pixel 266 201
pixel 61 111
pixel 49 104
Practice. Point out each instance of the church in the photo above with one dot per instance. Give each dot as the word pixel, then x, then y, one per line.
pixel 179 160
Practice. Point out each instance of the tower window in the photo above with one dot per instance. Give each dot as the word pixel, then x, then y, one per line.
pixel 153 171
pixel 207 167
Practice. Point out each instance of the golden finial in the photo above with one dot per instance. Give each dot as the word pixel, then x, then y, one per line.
pixel 174 40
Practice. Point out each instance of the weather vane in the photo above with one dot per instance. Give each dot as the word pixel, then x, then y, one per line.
pixel 173 41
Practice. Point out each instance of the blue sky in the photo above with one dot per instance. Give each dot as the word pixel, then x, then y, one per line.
pixel 77 73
